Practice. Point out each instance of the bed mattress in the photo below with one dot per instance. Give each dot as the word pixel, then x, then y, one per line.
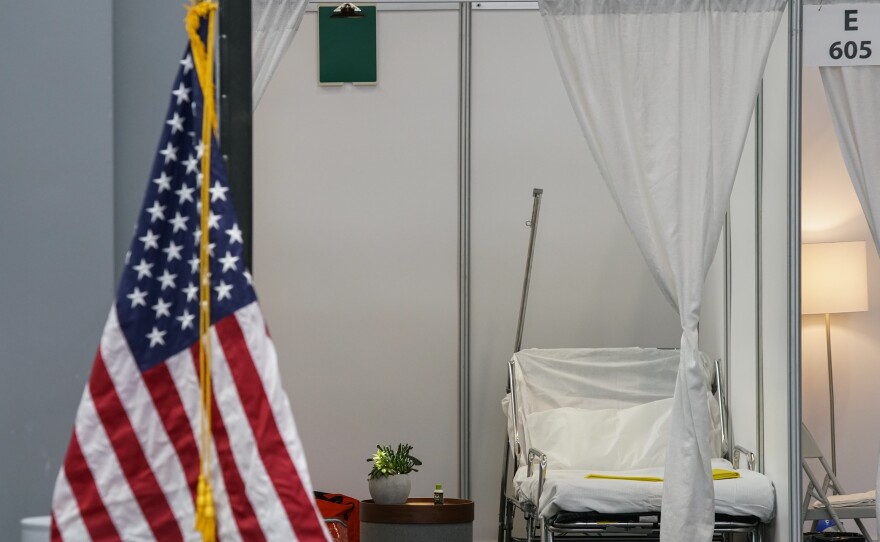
pixel 751 494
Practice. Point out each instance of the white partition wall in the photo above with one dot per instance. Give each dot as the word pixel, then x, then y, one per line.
pixel 760 346
pixel 355 250
pixel 779 437
pixel 356 236
pixel 743 345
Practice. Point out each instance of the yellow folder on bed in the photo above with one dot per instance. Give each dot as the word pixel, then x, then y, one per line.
pixel 717 474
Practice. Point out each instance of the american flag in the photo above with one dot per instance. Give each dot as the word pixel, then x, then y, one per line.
pixel 132 463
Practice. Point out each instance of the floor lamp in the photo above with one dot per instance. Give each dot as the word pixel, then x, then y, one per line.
pixel 834 279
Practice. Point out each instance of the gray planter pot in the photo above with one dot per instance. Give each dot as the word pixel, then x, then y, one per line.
pixel 390 489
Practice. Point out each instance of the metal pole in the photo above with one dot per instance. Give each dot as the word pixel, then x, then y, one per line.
pixel 759 275
pixel 728 319
pixel 236 113
pixel 831 393
pixel 464 246
pixel 794 262
pixel 537 194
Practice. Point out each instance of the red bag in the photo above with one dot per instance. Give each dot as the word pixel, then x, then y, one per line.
pixel 338 506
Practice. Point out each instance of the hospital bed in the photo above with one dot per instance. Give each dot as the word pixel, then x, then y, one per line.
pixel 587 431
pixel 604 413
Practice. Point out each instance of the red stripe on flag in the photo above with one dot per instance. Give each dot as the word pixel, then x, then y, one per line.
pixel 171 411
pixel 55 533
pixel 242 510
pixel 273 451
pixel 82 485
pixel 131 457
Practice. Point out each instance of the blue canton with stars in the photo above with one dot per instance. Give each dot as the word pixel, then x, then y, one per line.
pixel 158 299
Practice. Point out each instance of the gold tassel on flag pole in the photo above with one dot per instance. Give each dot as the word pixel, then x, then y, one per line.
pixel 203 57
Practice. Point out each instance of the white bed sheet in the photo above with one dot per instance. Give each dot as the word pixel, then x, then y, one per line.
pixel 752 494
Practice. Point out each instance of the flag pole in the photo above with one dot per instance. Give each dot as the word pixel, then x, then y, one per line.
pixel 203 57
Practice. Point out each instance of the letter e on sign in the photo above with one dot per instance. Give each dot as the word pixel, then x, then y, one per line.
pixel 850 19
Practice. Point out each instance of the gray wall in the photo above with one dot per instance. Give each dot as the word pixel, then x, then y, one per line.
pixel 56 233
pixel 83 90
pixel 148 41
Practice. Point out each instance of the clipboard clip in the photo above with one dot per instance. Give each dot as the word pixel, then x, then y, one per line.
pixel 347 11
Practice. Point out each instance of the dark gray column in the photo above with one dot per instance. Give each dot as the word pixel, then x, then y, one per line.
pixel 236 112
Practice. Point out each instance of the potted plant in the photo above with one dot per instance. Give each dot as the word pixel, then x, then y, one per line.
pixel 389 478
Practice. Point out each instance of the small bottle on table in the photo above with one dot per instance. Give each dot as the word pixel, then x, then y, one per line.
pixel 438 494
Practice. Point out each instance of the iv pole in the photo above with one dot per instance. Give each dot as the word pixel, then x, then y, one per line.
pixel 505 511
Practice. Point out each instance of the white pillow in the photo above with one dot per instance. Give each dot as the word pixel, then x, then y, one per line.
pixel 607 439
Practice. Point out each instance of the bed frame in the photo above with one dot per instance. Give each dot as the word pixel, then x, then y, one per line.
pixel 594 526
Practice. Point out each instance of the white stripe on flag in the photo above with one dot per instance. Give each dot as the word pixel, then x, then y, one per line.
pixel 181 366
pixel 262 349
pixel 66 512
pixel 102 462
pixel 259 487
pixel 150 431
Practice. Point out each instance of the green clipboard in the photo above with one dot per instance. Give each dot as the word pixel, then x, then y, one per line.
pixel 347 47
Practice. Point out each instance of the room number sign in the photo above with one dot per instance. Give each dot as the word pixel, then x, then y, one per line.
pixel 842 35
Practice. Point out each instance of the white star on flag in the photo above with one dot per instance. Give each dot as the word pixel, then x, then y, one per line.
pixel 179 222
pixel 176 123
pixel 186 320
pixel 173 251
pixel 187 64
pixel 169 152
pixel 213 220
pixel 228 261
pixel 191 291
pixel 156 337
pixel 185 194
pixel 137 297
pixel 164 182
pixel 161 308
pixel 143 269
pixel 181 93
pixel 218 192
pixel 223 291
pixel 234 234
pixel 157 212
pixel 191 164
pixel 167 279
pixel 150 240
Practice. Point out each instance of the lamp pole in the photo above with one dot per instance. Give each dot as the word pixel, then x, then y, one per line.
pixel 831 392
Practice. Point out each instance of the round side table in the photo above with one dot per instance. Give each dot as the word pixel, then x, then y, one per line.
pixel 419 520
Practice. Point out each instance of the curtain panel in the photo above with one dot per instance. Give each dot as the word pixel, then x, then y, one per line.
pixel 855 113
pixel 664 92
pixel 273 25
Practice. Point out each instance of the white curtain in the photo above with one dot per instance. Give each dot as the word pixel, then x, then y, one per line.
pixel 664 91
pixel 273 25
pixel 855 112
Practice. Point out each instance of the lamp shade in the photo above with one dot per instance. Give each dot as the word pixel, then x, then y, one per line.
pixel 834 278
